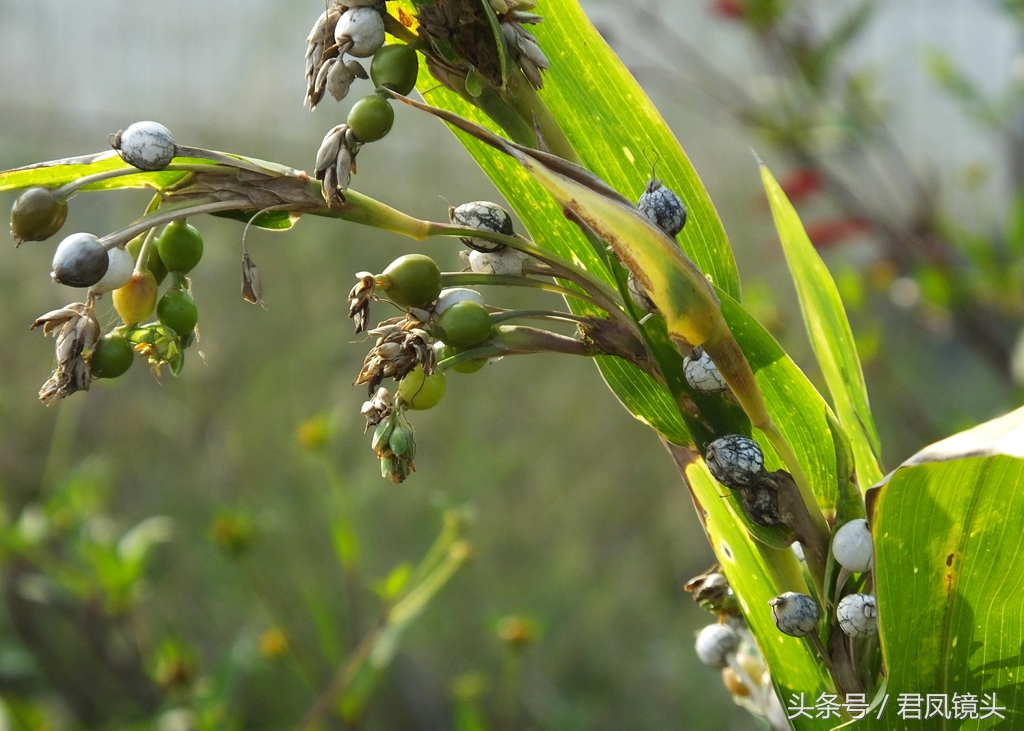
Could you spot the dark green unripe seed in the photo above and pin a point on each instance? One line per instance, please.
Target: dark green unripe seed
(37, 214)
(413, 280)
(180, 246)
(395, 67)
(178, 311)
(112, 357)
(371, 118)
(465, 324)
(153, 262)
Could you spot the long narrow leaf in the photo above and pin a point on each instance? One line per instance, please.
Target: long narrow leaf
(829, 331)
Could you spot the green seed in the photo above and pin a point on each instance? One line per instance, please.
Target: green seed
(371, 118)
(421, 392)
(37, 214)
(178, 311)
(395, 67)
(180, 246)
(413, 280)
(112, 357)
(465, 324)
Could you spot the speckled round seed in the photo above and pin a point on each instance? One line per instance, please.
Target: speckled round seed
(734, 460)
(852, 546)
(702, 373)
(485, 216)
(858, 615)
(508, 262)
(453, 295)
(715, 643)
(761, 505)
(146, 146)
(639, 295)
(120, 265)
(79, 261)
(362, 30)
(795, 614)
(663, 208)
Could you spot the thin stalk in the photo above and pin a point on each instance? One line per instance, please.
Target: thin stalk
(341, 680)
(461, 279)
(564, 269)
(504, 315)
(815, 556)
(165, 215)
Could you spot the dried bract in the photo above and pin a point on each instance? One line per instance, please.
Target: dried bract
(377, 408)
(359, 298)
(401, 345)
(336, 163)
(78, 331)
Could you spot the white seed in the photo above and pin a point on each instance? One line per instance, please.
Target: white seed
(484, 216)
(858, 615)
(507, 261)
(734, 460)
(702, 373)
(795, 614)
(361, 30)
(146, 145)
(715, 643)
(119, 270)
(852, 546)
(639, 295)
(449, 297)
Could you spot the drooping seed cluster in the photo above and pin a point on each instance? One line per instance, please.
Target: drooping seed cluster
(129, 270)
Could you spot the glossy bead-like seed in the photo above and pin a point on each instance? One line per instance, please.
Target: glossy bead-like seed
(734, 460)
(79, 261)
(485, 216)
(858, 615)
(702, 374)
(852, 546)
(795, 614)
(715, 643)
(663, 208)
(146, 146)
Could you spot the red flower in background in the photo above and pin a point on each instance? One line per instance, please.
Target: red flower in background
(824, 234)
(728, 8)
(801, 183)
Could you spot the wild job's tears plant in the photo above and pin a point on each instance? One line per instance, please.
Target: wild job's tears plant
(840, 597)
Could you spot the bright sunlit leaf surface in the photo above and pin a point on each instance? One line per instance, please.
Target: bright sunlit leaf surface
(829, 331)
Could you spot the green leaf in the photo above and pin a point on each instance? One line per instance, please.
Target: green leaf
(799, 410)
(829, 331)
(949, 562)
(611, 124)
(56, 173)
(758, 573)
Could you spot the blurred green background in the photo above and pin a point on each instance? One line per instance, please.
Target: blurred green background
(577, 520)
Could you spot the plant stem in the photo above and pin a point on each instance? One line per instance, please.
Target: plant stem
(460, 279)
